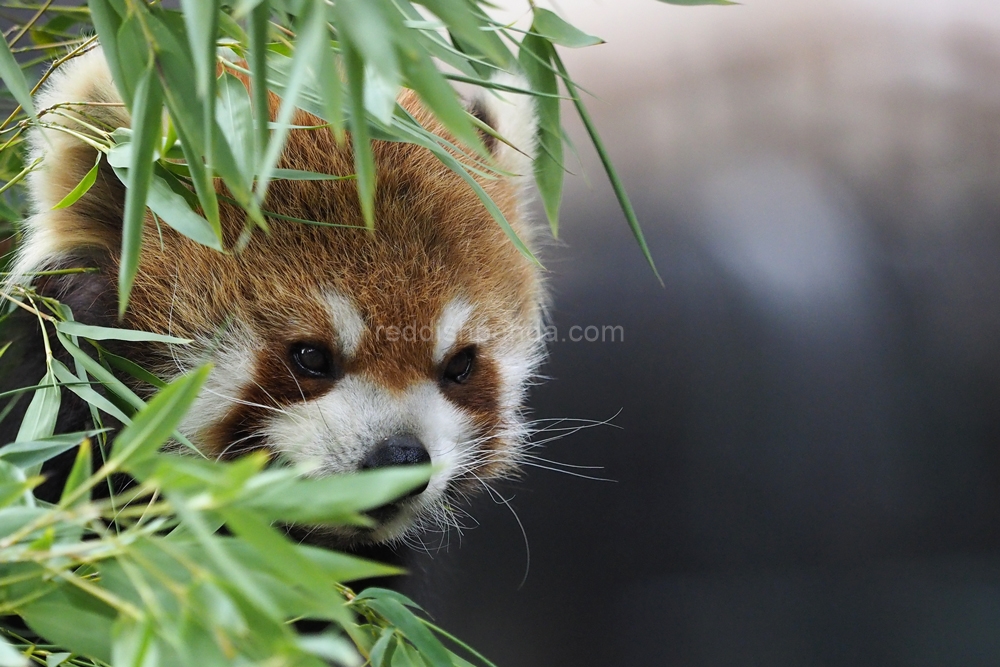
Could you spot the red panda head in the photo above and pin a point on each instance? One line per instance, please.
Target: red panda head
(333, 346)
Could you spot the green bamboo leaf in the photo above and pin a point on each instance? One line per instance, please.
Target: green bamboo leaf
(285, 561)
(364, 160)
(146, 127)
(378, 652)
(244, 7)
(100, 373)
(81, 470)
(257, 35)
(418, 135)
(110, 333)
(81, 188)
(155, 423)
(57, 659)
(312, 38)
(31, 453)
(327, 81)
(133, 369)
(423, 77)
(199, 133)
(201, 176)
(367, 25)
(411, 627)
(535, 58)
(376, 593)
(609, 168)
(551, 26)
(406, 656)
(299, 175)
(134, 642)
(201, 20)
(40, 418)
(174, 210)
(430, 40)
(331, 647)
(12, 75)
(235, 118)
(86, 392)
(134, 56)
(214, 548)
(108, 22)
(461, 19)
(345, 568)
(72, 620)
(332, 499)
(14, 486)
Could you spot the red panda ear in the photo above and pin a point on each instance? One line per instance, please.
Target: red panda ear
(93, 223)
(513, 117)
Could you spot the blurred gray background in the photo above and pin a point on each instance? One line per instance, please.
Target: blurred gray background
(807, 441)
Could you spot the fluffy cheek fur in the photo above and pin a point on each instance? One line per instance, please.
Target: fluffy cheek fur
(336, 431)
(333, 432)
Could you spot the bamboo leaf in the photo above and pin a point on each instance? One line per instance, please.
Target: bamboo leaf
(201, 20)
(109, 333)
(299, 175)
(73, 620)
(461, 19)
(257, 34)
(378, 652)
(27, 454)
(134, 58)
(235, 118)
(407, 623)
(440, 97)
(146, 129)
(40, 418)
(154, 424)
(366, 25)
(418, 135)
(12, 75)
(364, 160)
(535, 58)
(81, 188)
(107, 22)
(86, 392)
(609, 168)
(311, 39)
(81, 470)
(556, 30)
(134, 643)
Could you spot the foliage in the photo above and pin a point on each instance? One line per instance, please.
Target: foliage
(141, 575)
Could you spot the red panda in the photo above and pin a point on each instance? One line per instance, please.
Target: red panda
(334, 346)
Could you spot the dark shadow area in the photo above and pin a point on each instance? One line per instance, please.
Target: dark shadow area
(806, 457)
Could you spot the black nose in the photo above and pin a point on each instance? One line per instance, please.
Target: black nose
(398, 450)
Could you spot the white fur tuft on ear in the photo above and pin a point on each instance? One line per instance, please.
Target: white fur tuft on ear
(50, 234)
(514, 117)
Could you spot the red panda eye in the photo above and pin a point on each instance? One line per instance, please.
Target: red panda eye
(312, 360)
(460, 366)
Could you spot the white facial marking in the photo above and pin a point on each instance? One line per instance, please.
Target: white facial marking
(232, 356)
(336, 431)
(449, 326)
(347, 322)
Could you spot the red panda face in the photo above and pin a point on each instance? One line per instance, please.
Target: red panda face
(335, 347)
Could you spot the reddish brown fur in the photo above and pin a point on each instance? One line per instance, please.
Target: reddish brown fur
(433, 241)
